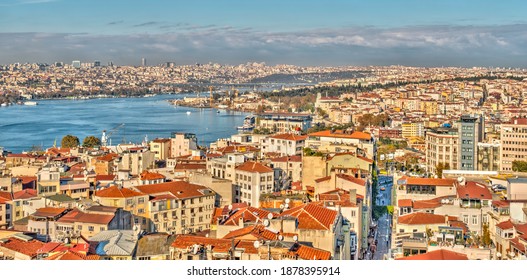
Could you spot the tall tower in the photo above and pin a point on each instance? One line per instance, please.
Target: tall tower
(471, 131)
(143, 62)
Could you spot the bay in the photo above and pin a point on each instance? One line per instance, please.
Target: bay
(21, 126)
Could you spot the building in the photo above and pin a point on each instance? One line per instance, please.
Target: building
(339, 141)
(471, 132)
(513, 142)
(161, 148)
(441, 147)
(288, 169)
(252, 180)
(143, 61)
(287, 144)
(179, 207)
(182, 144)
(114, 244)
(76, 64)
(489, 156)
(284, 122)
(48, 181)
(412, 129)
(6, 208)
(43, 222)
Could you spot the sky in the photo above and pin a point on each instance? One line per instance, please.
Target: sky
(301, 32)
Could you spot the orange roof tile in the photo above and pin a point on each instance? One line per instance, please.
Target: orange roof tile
(252, 232)
(145, 175)
(312, 216)
(437, 255)
(48, 212)
(339, 134)
(420, 218)
(287, 159)
(108, 157)
(28, 248)
(252, 166)
(80, 217)
(474, 190)
(249, 214)
(217, 245)
(105, 177)
(179, 189)
(404, 203)
(429, 181)
(505, 225)
(25, 194)
(426, 204)
(117, 192)
(290, 137)
(352, 179)
(311, 253)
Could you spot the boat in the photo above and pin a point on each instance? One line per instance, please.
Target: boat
(248, 124)
(188, 112)
(4, 105)
(218, 111)
(30, 103)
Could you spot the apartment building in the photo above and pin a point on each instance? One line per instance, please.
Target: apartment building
(513, 142)
(179, 207)
(161, 148)
(286, 144)
(252, 179)
(442, 145)
(471, 132)
(182, 144)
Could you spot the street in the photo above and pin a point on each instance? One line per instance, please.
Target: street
(383, 224)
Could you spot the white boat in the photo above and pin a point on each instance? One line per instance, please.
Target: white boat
(30, 103)
(4, 105)
(188, 112)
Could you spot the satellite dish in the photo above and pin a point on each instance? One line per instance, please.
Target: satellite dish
(230, 207)
(266, 222)
(287, 200)
(207, 235)
(67, 240)
(280, 237)
(287, 206)
(295, 238)
(270, 216)
(256, 244)
(195, 250)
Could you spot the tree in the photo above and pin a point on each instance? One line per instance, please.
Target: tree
(91, 141)
(519, 166)
(486, 235)
(440, 167)
(69, 141)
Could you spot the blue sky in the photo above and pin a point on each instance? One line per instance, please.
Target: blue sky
(331, 32)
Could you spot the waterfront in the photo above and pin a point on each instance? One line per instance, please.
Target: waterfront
(21, 127)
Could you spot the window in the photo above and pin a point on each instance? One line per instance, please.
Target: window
(102, 229)
(474, 219)
(90, 228)
(465, 219)
(353, 213)
(141, 200)
(79, 227)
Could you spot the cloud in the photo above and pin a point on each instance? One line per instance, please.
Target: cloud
(188, 44)
(115, 22)
(149, 23)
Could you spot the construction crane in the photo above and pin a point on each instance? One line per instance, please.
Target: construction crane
(211, 98)
(106, 136)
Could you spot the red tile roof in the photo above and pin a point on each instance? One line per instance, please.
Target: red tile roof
(420, 218)
(310, 253)
(71, 256)
(312, 216)
(179, 189)
(437, 255)
(429, 181)
(145, 175)
(252, 166)
(190, 166)
(234, 149)
(48, 212)
(108, 157)
(217, 245)
(323, 179)
(104, 177)
(252, 232)
(117, 192)
(426, 204)
(27, 179)
(80, 217)
(25, 194)
(474, 190)
(404, 203)
(5, 196)
(249, 214)
(352, 179)
(340, 134)
(501, 203)
(290, 137)
(28, 248)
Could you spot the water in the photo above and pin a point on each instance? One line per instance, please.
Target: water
(21, 127)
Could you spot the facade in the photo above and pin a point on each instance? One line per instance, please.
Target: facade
(441, 147)
(283, 122)
(285, 144)
(161, 148)
(182, 144)
(179, 207)
(48, 181)
(471, 132)
(252, 179)
(412, 129)
(488, 156)
(323, 140)
(513, 142)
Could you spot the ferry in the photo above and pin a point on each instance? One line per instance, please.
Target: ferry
(248, 124)
(30, 103)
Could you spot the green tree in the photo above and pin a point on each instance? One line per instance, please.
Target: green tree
(519, 166)
(486, 235)
(91, 141)
(440, 167)
(69, 141)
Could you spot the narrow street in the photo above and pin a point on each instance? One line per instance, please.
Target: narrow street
(383, 224)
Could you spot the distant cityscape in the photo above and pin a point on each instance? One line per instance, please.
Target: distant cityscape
(341, 163)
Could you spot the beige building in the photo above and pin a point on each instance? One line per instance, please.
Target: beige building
(442, 146)
(179, 207)
(287, 169)
(161, 148)
(223, 188)
(412, 129)
(129, 200)
(48, 181)
(322, 140)
(285, 144)
(253, 179)
(182, 144)
(513, 143)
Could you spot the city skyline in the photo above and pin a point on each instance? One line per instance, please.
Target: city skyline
(303, 33)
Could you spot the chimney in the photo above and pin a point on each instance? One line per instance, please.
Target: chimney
(353, 196)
